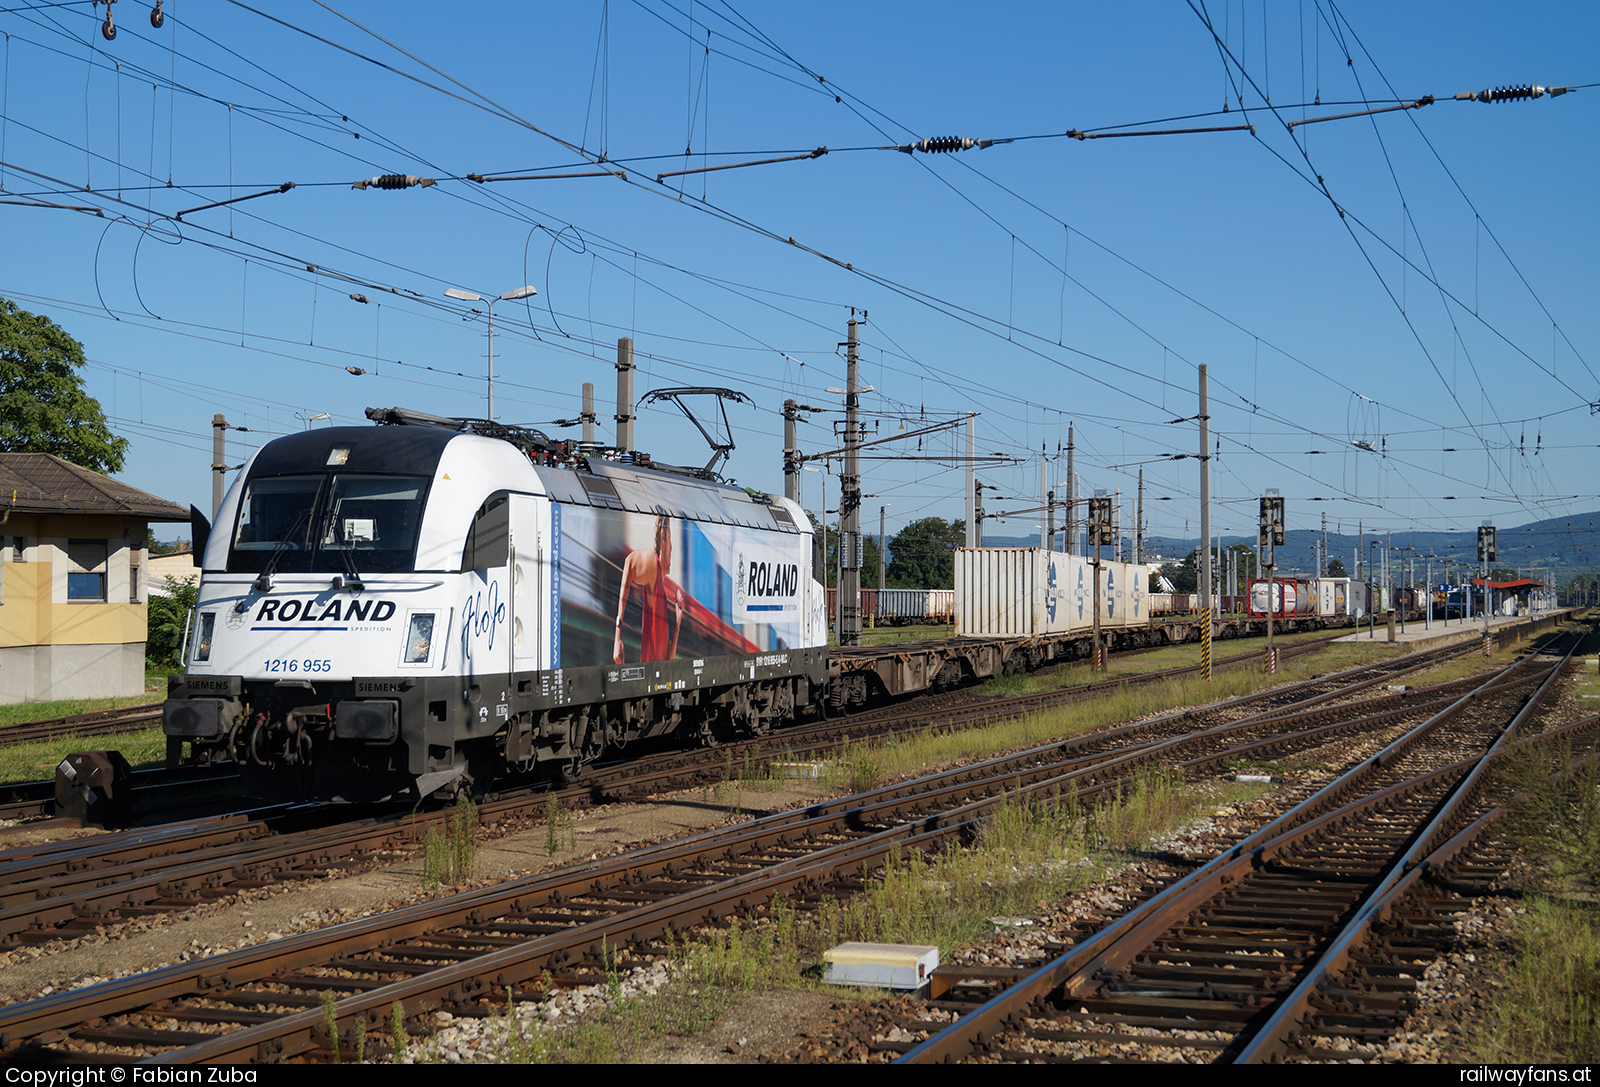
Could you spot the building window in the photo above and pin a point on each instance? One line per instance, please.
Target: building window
(86, 570)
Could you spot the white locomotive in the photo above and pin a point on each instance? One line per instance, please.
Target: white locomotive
(415, 608)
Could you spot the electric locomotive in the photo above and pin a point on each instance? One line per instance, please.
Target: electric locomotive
(420, 607)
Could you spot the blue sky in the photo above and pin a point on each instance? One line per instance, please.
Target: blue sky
(1447, 318)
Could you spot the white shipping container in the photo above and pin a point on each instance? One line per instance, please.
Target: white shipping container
(1070, 587)
(1016, 591)
(1333, 596)
(997, 591)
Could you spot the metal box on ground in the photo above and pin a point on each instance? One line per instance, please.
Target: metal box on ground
(93, 787)
(880, 966)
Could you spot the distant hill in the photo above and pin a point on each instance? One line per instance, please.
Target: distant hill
(1563, 545)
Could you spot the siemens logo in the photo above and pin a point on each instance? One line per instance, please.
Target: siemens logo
(336, 611)
(769, 579)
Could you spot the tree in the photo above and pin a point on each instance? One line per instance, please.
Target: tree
(43, 408)
(1336, 568)
(923, 554)
(1182, 575)
(167, 616)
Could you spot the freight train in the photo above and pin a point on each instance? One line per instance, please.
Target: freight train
(425, 606)
(896, 607)
(1333, 597)
(417, 608)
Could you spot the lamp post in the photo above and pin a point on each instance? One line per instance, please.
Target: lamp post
(1372, 610)
(508, 296)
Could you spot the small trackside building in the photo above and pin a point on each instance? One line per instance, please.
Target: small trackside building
(73, 580)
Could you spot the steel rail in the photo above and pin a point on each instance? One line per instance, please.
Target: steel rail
(305, 1032)
(1275, 1037)
(1130, 932)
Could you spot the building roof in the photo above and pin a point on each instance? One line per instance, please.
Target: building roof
(1519, 583)
(44, 483)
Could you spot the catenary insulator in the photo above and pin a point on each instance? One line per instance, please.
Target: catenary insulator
(156, 17)
(943, 145)
(393, 181)
(1507, 94)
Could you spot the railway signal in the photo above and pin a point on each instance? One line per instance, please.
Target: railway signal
(1100, 521)
(1486, 543)
(1486, 555)
(1270, 534)
(1100, 533)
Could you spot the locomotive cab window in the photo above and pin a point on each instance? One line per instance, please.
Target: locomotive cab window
(374, 519)
(337, 524)
(274, 521)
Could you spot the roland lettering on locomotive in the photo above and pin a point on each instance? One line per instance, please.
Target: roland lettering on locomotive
(420, 607)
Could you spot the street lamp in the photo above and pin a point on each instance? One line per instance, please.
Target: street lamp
(508, 296)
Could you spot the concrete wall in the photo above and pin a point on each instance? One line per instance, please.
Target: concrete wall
(40, 673)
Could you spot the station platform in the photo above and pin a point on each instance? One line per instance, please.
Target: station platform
(1439, 632)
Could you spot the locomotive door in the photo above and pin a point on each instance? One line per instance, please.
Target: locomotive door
(532, 610)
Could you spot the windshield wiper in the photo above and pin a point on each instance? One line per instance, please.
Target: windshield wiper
(263, 583)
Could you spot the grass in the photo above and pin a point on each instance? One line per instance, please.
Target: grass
(856, 767)
(22, 713)
(1548, 1008)
(629, 1032)
(36, 761)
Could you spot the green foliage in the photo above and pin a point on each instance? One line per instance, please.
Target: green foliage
(331, 1018)
(43, 408)
(1182, 575)
(36, 761)
(451, 856)
(1185, 575)
(167, 615)
(1336, 568)
(156, 547)
(924, 554)
(397, 1031)
(558, 829)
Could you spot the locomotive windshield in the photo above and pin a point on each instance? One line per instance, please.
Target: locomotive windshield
(336, 524)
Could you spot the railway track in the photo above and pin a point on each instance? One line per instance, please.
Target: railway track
(51, 892)
(464, 952)
(163, 788)
(98, 723)
(1274, 949)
